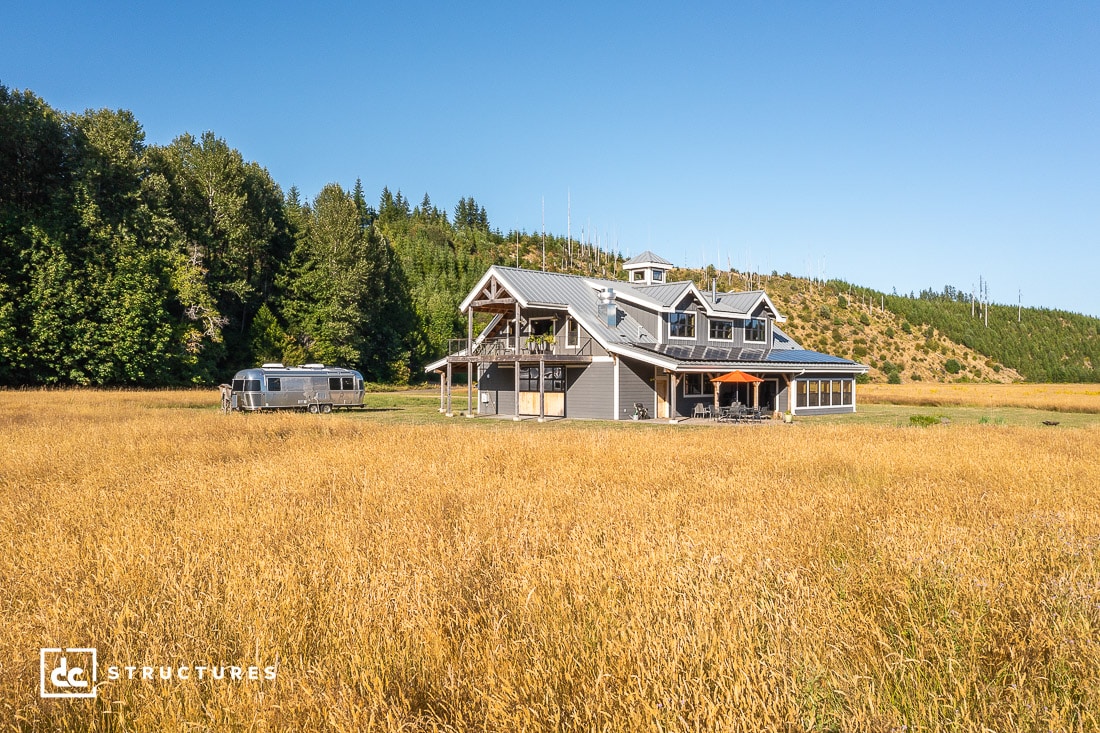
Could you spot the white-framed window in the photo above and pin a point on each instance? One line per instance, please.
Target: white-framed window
(572, 333)
(824, 392)
(658, 276)
(637, 276)
(697, 384)
(721, 330)
(681, 325)
(540, 326)
(756, 330)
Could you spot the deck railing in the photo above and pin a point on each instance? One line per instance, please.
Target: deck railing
(505, 346)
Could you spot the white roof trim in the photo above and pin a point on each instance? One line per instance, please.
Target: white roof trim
(491, 272)
(642, 355)
(630, 297)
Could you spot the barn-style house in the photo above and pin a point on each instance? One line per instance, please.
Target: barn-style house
(571, 346)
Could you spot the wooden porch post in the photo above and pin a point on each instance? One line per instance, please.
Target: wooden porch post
(450, 370)
(790, 393)
(515, 415)
(517, 329)
(470, 364)
(469, 389)
(756, 394)
(442, 393)
(673, 380)
(470, 332)
(542, 390)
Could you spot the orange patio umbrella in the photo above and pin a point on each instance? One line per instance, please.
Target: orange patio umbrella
(735, 377)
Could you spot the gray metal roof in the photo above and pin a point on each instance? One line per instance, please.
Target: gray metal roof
(735, 302)
(578, 294)
(647, 258)
(667, 295)
(581, 296)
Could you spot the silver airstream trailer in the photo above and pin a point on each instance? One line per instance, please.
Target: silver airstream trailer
(312, 387)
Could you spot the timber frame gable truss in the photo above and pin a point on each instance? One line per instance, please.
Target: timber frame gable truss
(492, 297)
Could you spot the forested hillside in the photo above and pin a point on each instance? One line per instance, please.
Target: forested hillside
(123, 263)
(1042, 344)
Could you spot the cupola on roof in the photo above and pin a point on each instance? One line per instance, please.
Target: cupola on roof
(647, 269)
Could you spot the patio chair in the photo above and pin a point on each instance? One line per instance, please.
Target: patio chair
(701, 410)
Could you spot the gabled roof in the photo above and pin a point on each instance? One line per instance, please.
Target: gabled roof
(646, 258)
(745, 303)
(666, 295)
(580, 297)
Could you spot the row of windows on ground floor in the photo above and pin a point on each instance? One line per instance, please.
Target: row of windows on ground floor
(824, 392)
(808, 392)
(811, 392)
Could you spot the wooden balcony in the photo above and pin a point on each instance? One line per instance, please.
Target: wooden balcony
(504, 350)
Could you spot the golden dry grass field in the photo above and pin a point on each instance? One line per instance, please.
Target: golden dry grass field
(485, 575)
(1054, 397)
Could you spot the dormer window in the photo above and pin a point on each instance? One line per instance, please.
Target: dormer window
(658, 276)
(721, 330)
(756, 330)
(681, 325)
(638, 276)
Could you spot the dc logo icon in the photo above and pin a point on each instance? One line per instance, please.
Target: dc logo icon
(67, 672)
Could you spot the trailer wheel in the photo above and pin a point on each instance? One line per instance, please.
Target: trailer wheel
(314, 408)
(326, 409)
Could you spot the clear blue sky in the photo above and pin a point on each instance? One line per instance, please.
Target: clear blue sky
(893, 144)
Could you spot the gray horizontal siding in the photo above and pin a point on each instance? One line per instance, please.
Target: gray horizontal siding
(635, 386)
(498, 383)
(648, 320)
(589, 391)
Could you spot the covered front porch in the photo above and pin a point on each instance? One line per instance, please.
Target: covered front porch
(722, 393)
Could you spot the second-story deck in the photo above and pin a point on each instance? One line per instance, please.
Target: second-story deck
(505, 349)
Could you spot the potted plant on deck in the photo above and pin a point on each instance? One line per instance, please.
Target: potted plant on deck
(540, 343)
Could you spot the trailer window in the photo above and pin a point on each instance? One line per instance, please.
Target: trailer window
(274, 384)
(251, 385)
(334, 382)
(348, 382)
(238, 385)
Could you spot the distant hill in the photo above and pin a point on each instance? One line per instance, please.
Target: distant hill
(932, 336)
(825, 317)
(1044, 345)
